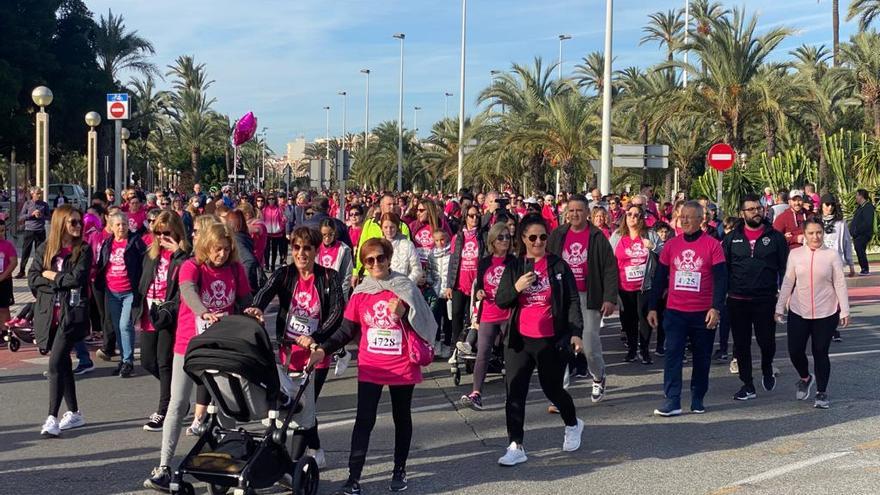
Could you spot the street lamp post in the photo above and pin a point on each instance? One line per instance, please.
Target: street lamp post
(401, 37)
(446, 104)
(687, 25)
(344, 95)
(366, 109)
(327, 135)
(93, 119)
(416, 119)
(124, 135)
(605, 170)
(562, 37)
(42, 96)
(460, 175)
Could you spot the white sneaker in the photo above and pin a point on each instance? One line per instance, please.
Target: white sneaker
(342, 362)
(72, 420)
(734, 367)
(50, 428)
(464, 348)
(191, 430)
(573, 435)
(453, 359)
(319, 456)
(515, 454)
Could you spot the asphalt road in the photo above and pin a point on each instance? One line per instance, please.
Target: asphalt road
(771, 445)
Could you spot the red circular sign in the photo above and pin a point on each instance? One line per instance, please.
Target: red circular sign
(721, 156)
(117, 110)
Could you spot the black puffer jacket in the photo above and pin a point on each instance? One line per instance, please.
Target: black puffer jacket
(74, 274)
(755, 274)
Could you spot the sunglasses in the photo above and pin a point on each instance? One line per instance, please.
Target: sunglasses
(634, 215)
(164, 233)
(472, 215)
(373, 260)
(74, 222)
(534, 237)
(301, 247)
(421, 210)
(503, 237)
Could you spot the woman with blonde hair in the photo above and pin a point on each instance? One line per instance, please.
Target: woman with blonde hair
(157, 315)
(61, 312)
(212, 284)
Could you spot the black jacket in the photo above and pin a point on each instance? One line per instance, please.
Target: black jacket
(566, 310)
(148, 271)
(602, 271)
(862, 224)
(282, 284)
(74, 322)
(245, 247)
(484, 264)
(455, 257)
(134, 258)
(755, 275)
(341, 229)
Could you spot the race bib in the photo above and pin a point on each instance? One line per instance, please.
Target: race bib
(635, 273)
(687, 281)
(387, 341)
(301, 325)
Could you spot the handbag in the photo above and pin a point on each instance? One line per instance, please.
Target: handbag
(418, 350)
(163, 315)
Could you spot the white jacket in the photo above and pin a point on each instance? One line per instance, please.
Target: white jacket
(405, 259)
(438, 269)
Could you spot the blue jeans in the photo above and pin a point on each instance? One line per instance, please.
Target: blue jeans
(82, 352)
(120, 314)
(679, 327)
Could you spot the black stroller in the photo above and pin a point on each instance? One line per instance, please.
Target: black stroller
(233, 359)
(464, 363)
(21, 329)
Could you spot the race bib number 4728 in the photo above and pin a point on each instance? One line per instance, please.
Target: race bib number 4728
(387, 341)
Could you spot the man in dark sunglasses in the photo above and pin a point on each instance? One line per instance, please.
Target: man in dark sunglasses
(586, 249)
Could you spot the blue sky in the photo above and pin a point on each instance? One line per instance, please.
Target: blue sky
(287, 59)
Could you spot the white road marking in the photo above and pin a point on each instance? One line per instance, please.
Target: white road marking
(782, 470)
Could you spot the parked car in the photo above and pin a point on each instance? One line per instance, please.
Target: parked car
(73, 192)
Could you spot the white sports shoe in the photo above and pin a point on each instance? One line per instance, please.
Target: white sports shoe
(515, 454)
(72, 420)
(50, 428)
(342, 362)
(320, 457)
(453, 358)
(573, 435)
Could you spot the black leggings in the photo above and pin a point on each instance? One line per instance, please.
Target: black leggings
(520, 362)
(633, 319)
(461, 302)
(486, 337)
(276, 246)
(441, 316)
(157, 354)
(367, 405)
(61, 382)
(303, 439)
(820, 332)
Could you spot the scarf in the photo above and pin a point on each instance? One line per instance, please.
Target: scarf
(420, 317)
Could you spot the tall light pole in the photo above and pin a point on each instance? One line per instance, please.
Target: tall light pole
(124, 135)
(261, 176)
(93, 119)
(327, 135)
(562, 37)
(687, 25)
(42, 96)
(416, 119)
(366, 109)
(605, 170)
(344, 95)
(460, 175)
(446, 96)
(401, 37)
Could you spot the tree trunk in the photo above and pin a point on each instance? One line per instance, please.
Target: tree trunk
(835, 25)
(770, 136)
(567, 179)
(875, 111)
(823, 164)
(195, 156)
(537, 168)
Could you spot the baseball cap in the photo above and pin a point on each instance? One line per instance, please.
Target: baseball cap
(795, 192)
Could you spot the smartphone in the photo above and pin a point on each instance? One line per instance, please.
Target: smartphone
(529, 266)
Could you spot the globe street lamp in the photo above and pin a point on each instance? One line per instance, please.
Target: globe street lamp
(124, 135)
(401, 37)
(416, 120)
(562, 37)
(42, 97)
(93, 119)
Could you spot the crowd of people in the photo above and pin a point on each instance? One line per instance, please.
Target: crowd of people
(486, 276)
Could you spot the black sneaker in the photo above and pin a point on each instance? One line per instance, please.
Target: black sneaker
(630, 355)
(836, 337)
(719, 356)
(155, 423)
(745, 393)
(768, 382)
(822, 401)
(398, 480)
(160, 479)
(351, 488)
(126, 370)
(660, 351)
(83, 368)
(697, 406)
(803, 388)
(118, 369)
(646, 358)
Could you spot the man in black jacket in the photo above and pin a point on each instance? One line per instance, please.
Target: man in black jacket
(756, 255)
(587, 251)
(862, 228)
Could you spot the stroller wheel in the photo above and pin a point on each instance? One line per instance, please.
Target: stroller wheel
(14, 344)
(43, 352)
(306, 476)
(217, 489)
(185, 488)
(456, 378)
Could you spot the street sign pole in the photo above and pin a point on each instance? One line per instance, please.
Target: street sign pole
(720, 191)
(117, 157)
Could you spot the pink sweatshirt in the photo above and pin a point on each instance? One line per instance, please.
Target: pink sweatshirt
(814, 286)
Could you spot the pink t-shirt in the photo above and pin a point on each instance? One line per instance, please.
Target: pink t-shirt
(574, 252)
(136, 220)
(58, 263)
(147, 238)
(632, 256)
(424, 242)
(752, 236)
(355, 234)
(690, 272)
(470, 257)
(536, 313)
(218, 289)
(327, 255)
(273, 217)
(303, 318)
(491, 312)
(117, 275)
(382, 355)
(157, 289)
(7, 252)
(260, 236)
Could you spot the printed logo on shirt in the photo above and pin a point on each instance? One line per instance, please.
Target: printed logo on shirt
(380, 317)
(493, 276)
(117, 260)
(538, 287)
(216, 296)
(424, 238)
(132, 225)
(162, 271)
(637, 251)
(326, 261)
(765, 241)
(575, 255)
(688, 261)
(303, 305)
(470, 250)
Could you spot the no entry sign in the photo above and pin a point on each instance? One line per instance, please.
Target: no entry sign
(721, 156)
(117, 106)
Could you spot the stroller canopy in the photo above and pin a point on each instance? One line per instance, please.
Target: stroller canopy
(235, 344)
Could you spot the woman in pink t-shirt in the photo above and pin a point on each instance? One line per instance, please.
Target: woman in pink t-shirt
(386, 309)
(493, 320)
(212, 285)
(276, 248)
(467, 249)
(545, 327)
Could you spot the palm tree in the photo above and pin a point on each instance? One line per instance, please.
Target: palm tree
(862, 56)
(665, 28)
(865, 10)
(590, 74)
(118, 49)
(835, 27)
(194, 122)
(775, 91)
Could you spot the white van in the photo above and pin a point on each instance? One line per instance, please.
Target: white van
(73, 192)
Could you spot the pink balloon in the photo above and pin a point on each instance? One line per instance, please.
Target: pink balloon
(245, 129)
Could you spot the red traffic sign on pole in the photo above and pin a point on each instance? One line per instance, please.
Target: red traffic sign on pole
(117, 110)
(721, 156)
